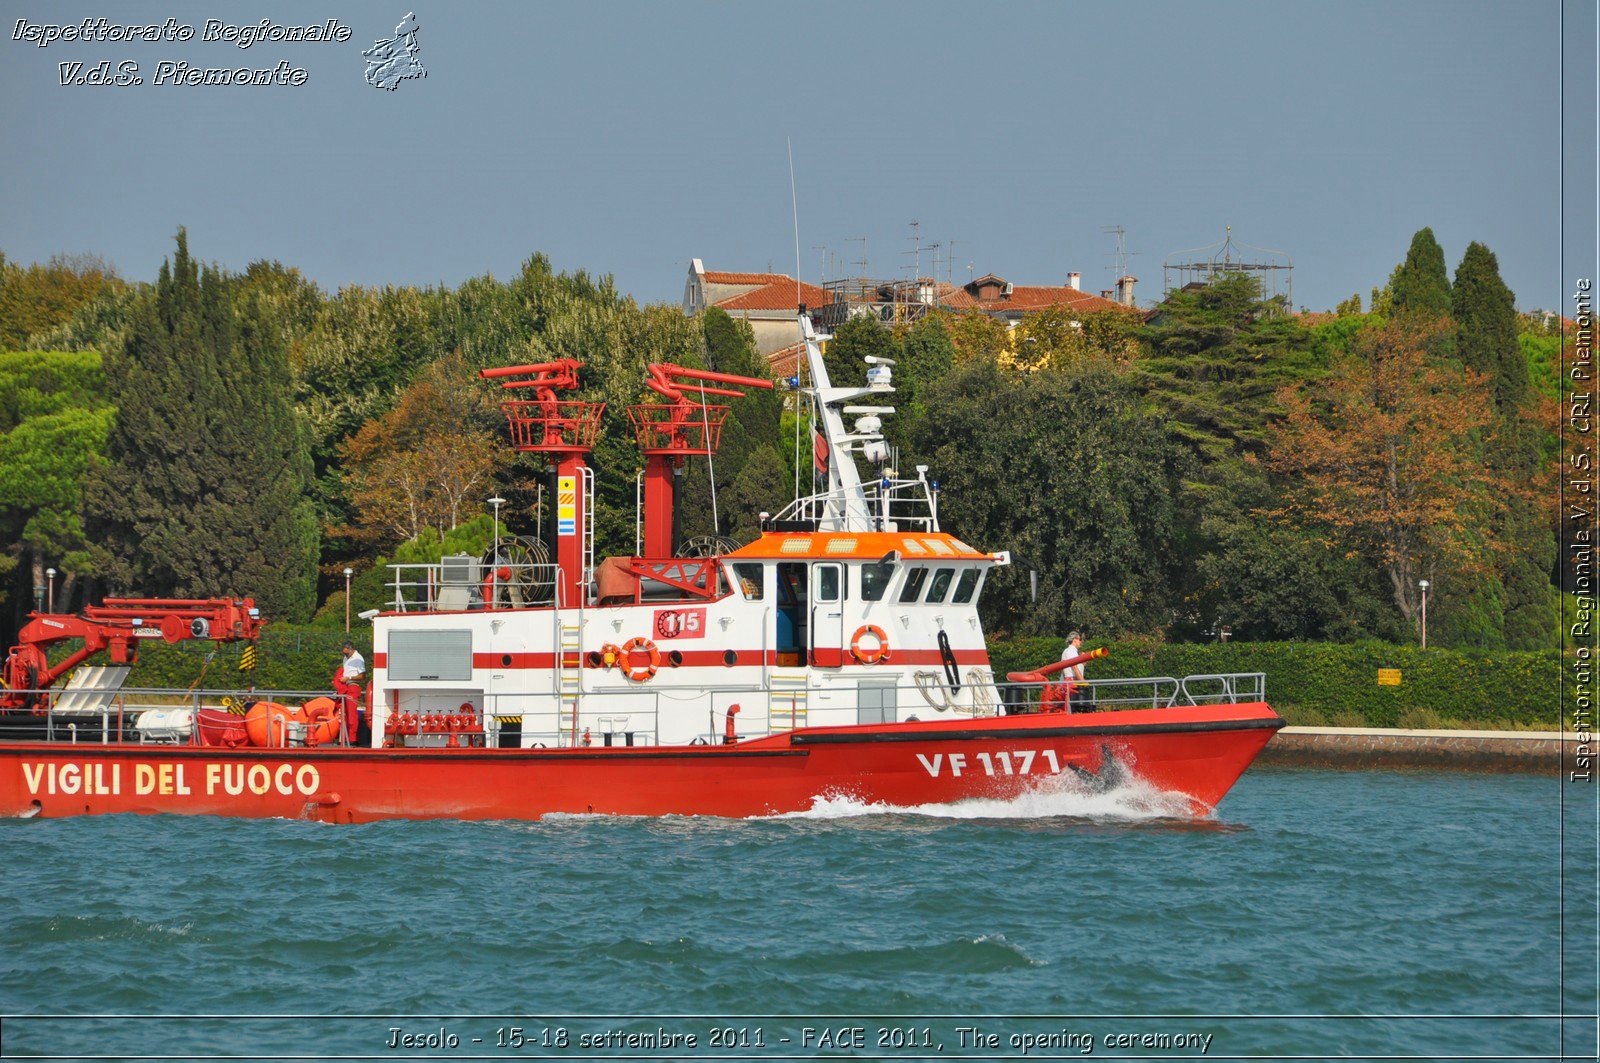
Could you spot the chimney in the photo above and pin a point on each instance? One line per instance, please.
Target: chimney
(1073, 280)
(1125, 290)
(1105, 293)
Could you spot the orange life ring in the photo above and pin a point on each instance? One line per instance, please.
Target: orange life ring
(877, 653)
(639, 673)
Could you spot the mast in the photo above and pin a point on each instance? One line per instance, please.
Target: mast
(846, 505)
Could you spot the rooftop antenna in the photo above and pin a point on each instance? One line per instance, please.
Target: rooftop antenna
(862, 261)
(916, 260)
(1121, 255)
(822, 260)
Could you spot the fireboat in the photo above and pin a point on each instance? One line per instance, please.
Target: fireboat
(838, 655)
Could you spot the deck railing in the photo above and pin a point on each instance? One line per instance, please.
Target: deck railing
(621, 717)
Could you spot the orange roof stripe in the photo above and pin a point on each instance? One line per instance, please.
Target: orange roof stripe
(926, 546)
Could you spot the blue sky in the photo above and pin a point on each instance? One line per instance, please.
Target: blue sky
(627, 138)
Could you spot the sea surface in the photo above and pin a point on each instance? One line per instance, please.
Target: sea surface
(1315, 915)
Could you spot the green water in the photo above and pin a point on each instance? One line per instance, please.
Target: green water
(1318, 915)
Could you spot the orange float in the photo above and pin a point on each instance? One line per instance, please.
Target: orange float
(322, 720)
(267, 723)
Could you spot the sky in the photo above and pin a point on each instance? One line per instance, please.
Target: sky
(628, 138)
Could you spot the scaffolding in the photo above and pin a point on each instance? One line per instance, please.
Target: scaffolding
(1199, 266)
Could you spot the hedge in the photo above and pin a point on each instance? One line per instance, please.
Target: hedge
(1308, 679)
(1341, 679)
(287, 658)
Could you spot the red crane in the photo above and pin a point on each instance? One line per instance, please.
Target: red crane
(117, 626)
(668, 433)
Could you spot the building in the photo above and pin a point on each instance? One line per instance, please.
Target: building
(768, 301)
(894, 302)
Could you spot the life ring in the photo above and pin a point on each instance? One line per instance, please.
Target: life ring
(880, 652)
(639, 673)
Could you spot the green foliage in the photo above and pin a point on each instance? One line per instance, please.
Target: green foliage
(852, 343)
(1216, 357)
(749, 472)
(54, 419)
(39, 298)
(1486, 320)
(1086, 492)
(1507, 688)
(1421, 285)
(288, 657)
(204, 489)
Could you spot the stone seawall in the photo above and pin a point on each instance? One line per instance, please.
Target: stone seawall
(1358, 748)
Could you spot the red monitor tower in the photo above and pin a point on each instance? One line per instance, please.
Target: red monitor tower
(669, 432)
(564, 430)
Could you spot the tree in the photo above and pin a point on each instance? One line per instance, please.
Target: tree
(1068, 471)
(54, 418)
(203, 491)
(1421, 284)
(1217, 357)
(37, 298)
(1486, 321)
(426, 463)
(853, 342)
(748, 458)
(1386, 460)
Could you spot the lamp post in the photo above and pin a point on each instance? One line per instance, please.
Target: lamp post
(1423, 584)
(50, 598)
(348, 572)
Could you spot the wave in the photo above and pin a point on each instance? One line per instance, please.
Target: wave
(1134, 800)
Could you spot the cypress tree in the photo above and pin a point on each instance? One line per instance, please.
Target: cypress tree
(1486, 323)
(204, 489)
(1486, 340)
(1422, 284)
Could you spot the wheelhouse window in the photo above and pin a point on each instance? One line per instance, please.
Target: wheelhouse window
(875, 582)
(940, 585)
(966, 586)
(751, 579)
(915, 578)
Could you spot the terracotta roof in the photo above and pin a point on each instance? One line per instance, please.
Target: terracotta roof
(777, 295)
(1041, 297)
(784, 363)
(719, 277)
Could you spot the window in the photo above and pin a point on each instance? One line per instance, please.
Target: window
(940, 585)
(915, 578)
(965, 586)
(875, 581)
(828, 583)
(751, 579)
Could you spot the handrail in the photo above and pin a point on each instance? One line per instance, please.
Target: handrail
(626, 709)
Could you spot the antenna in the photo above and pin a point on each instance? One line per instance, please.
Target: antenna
(794, 204)
(862, 261)
(1121, 255)
(822, 260)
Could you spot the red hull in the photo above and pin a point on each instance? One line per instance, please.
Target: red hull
(1199, 751)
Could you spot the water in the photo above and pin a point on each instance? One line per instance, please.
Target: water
(1309, 894)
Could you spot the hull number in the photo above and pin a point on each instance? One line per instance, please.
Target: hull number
(1005, 762)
